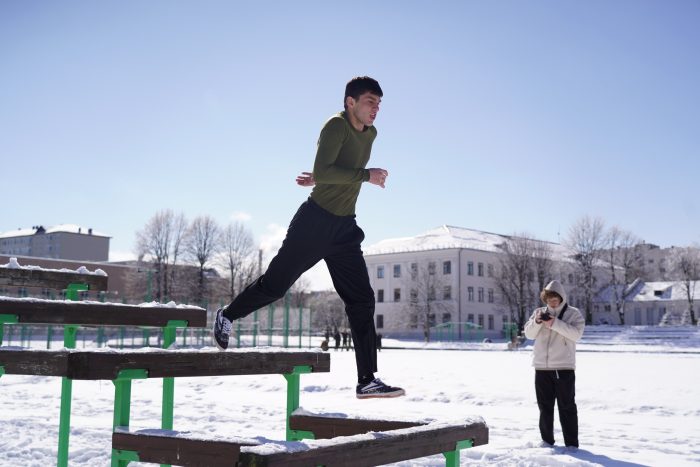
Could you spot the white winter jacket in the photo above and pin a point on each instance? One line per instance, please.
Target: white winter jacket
(555, 348)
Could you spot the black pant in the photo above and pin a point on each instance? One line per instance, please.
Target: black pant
(559, 385)
(315, 234)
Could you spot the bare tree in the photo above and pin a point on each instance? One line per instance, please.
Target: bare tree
(686, 269)
(202, 243)
(159, 243)
(525, 268)
(328, 311)
(586, 240)
(623, 258)
(424, 303)
(238, 256)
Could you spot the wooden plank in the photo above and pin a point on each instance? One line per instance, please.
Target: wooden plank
(50, 279)
(162, 448)
(105, 364)
(35, 311)
(191, 362)
(34, 362)
(330, 427)
(383, 449)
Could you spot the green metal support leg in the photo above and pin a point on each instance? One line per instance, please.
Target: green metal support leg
(69, 333)
(293, 402)
(122, 407)
(452, 457)
(9, 319)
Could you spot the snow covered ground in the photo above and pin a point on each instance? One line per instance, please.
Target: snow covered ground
(635, 408)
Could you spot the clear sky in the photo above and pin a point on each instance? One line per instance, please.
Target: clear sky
(507, 116)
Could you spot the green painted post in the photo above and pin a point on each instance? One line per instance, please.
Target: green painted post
(9, 319)
(293, 402)
(270, 323)
(452, 457)
(286, 321)
(69, 334)
(301, 323)
(122, 405)
(255, 328)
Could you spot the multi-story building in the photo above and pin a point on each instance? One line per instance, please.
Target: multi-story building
(463, 264)
(65, 241)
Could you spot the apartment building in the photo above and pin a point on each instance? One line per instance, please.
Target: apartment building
(65, 241)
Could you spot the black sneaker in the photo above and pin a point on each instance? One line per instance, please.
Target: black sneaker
(222, 329)
(376, 388)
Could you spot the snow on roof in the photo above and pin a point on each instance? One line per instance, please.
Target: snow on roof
(62, 228)
(445, 237)
(14, 264)
(654, 291)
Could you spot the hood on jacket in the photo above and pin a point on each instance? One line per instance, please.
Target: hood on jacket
(555, 286)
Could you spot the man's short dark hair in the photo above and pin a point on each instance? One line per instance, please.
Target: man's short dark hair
(360, 85)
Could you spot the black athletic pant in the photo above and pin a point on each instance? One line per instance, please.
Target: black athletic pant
(559, 385)
(315, 234)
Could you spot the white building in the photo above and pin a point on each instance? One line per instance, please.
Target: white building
(648, 303)
(65, 241)
(464, 262)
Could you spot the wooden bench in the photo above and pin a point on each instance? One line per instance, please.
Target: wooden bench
(72, 314)
(123, 366)
(378, 442)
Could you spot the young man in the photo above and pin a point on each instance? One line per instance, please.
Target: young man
(324, 228)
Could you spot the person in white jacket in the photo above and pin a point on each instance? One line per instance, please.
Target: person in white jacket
(556, 328)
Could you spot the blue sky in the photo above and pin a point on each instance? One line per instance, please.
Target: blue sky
(506, 116)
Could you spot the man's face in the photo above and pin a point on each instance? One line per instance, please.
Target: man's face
(365, 108)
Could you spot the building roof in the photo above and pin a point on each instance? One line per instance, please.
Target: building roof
(445, 237)
(653, 291)
(62, 228)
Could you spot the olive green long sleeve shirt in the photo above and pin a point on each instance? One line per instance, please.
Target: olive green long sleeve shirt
(339, 168)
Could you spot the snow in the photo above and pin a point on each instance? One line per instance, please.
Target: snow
(638, 405)
(92, 303)
(447, 237)
(14, 264)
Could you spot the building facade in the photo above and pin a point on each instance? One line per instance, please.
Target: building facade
(65, 241)
(459, 267)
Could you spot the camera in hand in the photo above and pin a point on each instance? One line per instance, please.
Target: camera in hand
(545, 316)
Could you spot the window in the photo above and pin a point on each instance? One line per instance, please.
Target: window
(397, 295)
(480, 269)
(431, 293)
(470, 268)
(491, 322)
(470, 318)
(446, 317)
(481, 320)
(637, 316)
(607, 308)
(397, 270)
(490, 295)
(380, 295)
(447, 267)
(414, 296)
(447, 292)
(414, 270)
(470, 294)
(481, 294)
(489, 270)
(571, 278)
(380, 272)
(380, 321)
(431, 268)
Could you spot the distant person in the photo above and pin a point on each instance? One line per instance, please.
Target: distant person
(379, 342)
(324, 228)
(345, 339)
(336, 337)
(324, 345)
(556, 328)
